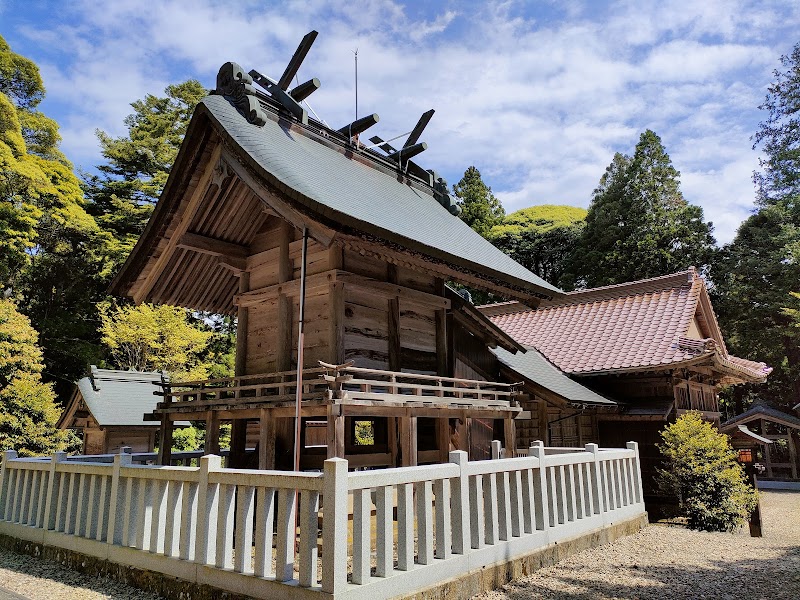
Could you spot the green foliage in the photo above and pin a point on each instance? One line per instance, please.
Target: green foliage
(187, 439)
(479, 207)
(753, 281)
(540, 238)
(761, 267)
(28, 412)
(155, 338)
(701, 469)
(365, 433)
(19, 78)
(779, 135)
(638, 224)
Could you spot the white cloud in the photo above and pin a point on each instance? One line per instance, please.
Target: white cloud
(539, 104)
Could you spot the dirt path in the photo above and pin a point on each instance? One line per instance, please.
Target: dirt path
(671, 562)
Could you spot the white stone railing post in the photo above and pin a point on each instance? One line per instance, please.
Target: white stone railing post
(207, 511)
(48, 519)
(334, 526)
(115, 516)
(598, 496)
(497, 449)
(637, 472)
(460, 505)
(5, 481)
(540, 498)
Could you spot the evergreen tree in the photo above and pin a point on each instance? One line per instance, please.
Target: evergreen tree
(28, 412)
(761, 267)
(480, 209)
(137, 165)
(540, 238)
(779, 135)
(638, 224)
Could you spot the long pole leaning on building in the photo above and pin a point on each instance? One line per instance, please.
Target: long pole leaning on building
(300, 332)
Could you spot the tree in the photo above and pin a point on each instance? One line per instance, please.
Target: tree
(28, 412)
(638, 224)
(122, 196)
(779, 135)
(155, 338)
(480, 209)
(761, 267)
(701, 469)
(541, 238)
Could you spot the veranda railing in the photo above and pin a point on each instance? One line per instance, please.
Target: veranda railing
(238, 529)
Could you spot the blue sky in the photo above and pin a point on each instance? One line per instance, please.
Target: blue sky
(538, 95)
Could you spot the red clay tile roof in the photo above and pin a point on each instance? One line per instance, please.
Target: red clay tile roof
(626, 327)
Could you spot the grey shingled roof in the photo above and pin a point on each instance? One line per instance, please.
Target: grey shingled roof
(766, 411)
(366, 198)
(535, 367)
(120, 397)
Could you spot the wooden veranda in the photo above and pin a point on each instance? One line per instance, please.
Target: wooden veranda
(454, 414)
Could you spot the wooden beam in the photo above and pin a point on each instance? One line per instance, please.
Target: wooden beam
(317, 231)
(285, 304)
(408, 441)
(315, 284)
(211, 246)
(165, 442)
(212, 432)
(242, 323)
(394, 334)
(392, 290)
(193, 204)
(335, 431)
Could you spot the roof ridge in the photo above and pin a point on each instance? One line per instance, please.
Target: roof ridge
(630, 288)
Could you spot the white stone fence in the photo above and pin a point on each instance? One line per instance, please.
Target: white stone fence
(384, 533)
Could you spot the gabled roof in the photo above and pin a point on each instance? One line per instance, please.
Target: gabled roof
(759, 411)
(117, 397)
(535, 368)
(316, 173)
(637, 326)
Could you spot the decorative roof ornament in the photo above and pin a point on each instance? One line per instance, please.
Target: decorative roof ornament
(235, 84)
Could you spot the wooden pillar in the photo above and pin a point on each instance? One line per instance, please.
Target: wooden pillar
(393, 433)
(767, 457)
(408, 440)
(239, 426)
(442, 359)
(284, 426)
(544, 433)
(266, 440)
(443, 438)
(394, 335)
(510, 435)
(212, 432)
(335, 431)
(336, 299)
(165, 441)
(792, 452)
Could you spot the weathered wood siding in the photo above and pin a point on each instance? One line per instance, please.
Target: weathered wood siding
(366, 329)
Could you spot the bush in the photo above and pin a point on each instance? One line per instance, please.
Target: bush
(701, 469)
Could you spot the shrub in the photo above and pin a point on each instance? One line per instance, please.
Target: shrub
(701, 469)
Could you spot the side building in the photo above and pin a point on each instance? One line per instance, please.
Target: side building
(653, 346)
(107, 410)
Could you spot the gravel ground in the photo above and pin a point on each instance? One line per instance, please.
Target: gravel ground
(39, 579)
(659, 562)
(676, 563)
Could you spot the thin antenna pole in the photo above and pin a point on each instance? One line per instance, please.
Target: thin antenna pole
(300, 341)
(356, 53)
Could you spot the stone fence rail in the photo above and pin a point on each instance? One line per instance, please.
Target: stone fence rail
(384, 533)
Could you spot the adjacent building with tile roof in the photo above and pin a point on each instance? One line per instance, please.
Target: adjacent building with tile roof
(653, 346)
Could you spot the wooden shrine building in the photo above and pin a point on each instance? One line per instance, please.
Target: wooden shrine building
(387, 346)
(772, 436)
(652, 346)
(107, 410)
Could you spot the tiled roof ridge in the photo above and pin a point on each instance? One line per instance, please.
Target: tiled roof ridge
(630, 288)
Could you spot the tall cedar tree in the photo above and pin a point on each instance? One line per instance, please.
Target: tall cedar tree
(761, 267)
(52, 246)
(480, 209)
(639, 225)
(541, 238)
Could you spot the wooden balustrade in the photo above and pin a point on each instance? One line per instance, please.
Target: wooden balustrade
(427, 523)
